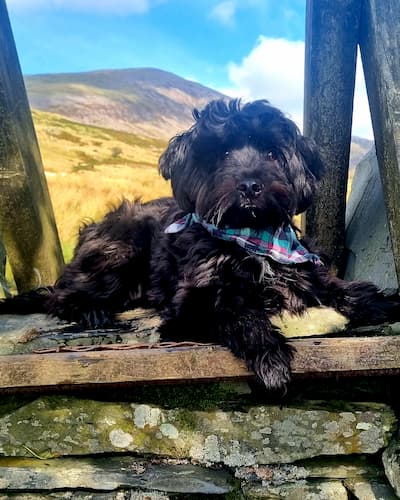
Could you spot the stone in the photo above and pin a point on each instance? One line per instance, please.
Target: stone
(112, 473)
(391, 463)
(341, 467)
(329, 468)
(62, 426)
(315, 321)
(317, 490)
(26, 333)
(367, 234)
(364, 489)
(86, 495)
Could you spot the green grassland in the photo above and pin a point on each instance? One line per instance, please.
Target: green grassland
(90, 169)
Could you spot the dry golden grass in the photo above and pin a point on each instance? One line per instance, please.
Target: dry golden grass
(90, 169)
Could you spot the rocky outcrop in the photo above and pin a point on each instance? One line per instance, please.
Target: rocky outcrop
(62, 426)
(367, 234)
(391, 462)
(262, 451)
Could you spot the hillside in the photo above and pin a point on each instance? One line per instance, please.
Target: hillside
(359, 147)
(143, 101)
(89, 169)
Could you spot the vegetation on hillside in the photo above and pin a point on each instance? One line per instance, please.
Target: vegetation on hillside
(90, 169)
(144, 101)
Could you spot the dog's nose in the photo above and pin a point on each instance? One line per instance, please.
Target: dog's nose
(250, 188)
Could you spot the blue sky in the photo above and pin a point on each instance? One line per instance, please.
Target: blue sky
(248, 48)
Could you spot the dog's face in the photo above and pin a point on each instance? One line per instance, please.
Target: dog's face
(242, 166)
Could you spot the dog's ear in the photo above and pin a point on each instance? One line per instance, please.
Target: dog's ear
(307, 153)
(311, 157)
(174, 157)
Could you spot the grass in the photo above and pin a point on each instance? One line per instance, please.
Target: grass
(90, 169)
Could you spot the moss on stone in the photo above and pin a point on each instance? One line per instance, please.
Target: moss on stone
(9, 404)
(192, 396)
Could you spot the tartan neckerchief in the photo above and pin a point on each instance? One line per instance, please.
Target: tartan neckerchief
(281, 244)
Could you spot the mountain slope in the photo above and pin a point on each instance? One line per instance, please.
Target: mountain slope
(89, 169)
(359, 148)
(145, 101)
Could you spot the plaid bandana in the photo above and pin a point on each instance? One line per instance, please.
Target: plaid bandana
(281, 245)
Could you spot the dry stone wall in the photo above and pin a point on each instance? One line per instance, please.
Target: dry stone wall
(325, 439)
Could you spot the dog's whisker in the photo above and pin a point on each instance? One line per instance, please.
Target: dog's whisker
(218, 210)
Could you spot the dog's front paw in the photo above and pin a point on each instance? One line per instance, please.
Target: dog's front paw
(87, 318)
(272, 367)
(95, 318)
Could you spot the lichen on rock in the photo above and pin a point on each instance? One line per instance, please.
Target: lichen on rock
(62, 426)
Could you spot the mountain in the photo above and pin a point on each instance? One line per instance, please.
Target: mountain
(144, 101)
(359, 148)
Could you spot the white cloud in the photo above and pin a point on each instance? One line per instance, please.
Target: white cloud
(274, 70)
(224, 12)
(99, 6)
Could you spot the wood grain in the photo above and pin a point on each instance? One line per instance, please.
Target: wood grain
(27, 224)
(314, 357)
(330, 68)
(380, 52)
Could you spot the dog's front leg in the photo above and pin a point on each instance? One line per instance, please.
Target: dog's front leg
(251, 336)
(222, 300)
(242, 318)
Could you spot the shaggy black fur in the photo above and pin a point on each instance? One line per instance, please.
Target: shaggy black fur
(241, 166)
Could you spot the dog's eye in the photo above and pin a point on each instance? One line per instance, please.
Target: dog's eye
(226, 153)
(271, 155)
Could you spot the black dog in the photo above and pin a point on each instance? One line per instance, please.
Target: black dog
(221, 257)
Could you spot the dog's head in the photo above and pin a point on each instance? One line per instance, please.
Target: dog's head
(242, 165)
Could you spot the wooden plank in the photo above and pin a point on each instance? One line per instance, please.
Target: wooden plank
(380, 52)
(347, 355)
(147, 365)
(27, 222)
(330, 64)
(317, 357)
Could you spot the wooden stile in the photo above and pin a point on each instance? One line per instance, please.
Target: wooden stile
(27, 224)
(380, 52)
(330, 67)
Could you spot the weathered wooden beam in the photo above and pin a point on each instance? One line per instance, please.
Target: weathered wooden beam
(314, 357)
(380, 52)
(330, 65)
(27, 223)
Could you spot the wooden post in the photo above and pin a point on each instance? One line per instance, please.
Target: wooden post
(27, 223)
(330, 65)
(380, 51)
